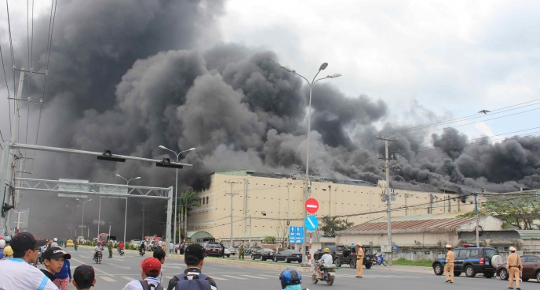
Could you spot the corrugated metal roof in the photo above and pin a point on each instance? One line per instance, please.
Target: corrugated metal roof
(422, 223)
(529, 234)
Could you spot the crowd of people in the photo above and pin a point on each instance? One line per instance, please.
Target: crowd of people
(18, 268)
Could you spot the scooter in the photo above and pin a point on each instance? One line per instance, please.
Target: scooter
(141, 252)
(98, 257)
(120, 251)
(380, 260)
(328, 274)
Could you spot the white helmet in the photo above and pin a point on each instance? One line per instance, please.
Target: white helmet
(2, 244)
(55, 239)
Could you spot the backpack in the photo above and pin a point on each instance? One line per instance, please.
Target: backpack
(198, 282)
(147, 286)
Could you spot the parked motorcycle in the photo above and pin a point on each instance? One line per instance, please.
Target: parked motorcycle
(328, 274)
(379, 260)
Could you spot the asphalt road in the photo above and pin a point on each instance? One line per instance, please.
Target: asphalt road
(115, 273)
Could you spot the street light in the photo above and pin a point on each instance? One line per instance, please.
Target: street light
(82, 219)
(306, 189)
(176, 188)
(125, 215)
(71, 217)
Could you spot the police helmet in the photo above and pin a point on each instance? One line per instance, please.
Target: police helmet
(290, 277)
(326, 250)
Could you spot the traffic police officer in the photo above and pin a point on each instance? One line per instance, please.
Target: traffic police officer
(513, 266)
(449, 267)
(359, 261)
(241, 252)
(110, 246)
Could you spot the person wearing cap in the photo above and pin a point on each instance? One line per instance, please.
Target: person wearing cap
(84, 277)
(449, 266)
(360, 261)
(151, 267)
(8, 252)
(54, 258)
(110, 246)
(194, 260)
(514, 267)
(17, 273)
(63, 277)
(160, 255)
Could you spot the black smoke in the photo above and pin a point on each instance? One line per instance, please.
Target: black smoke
(129, 76)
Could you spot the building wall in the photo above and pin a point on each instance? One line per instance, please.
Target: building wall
(282, 199)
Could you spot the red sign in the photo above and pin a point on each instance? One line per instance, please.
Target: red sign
(312, 205)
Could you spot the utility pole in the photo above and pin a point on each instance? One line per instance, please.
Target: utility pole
(246, 206)
(232, 183)
(388, 196)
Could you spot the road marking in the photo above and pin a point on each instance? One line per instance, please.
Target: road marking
(251, 276)
(277, 276)
(218, 278)
(108, 279)
(128, 278)
(121, 267)
(234, 277)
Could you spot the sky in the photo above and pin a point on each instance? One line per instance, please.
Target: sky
(131, 75)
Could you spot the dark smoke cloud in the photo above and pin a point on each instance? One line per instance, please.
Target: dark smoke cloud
(127, 76)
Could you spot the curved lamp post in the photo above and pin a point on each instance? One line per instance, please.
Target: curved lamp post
(125, 215)
(176, 187)
(306, 189)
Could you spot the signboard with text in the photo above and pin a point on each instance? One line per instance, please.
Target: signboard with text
(296, 235)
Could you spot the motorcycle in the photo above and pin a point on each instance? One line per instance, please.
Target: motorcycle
(141, 252)
(380, 260)
(98, 257)
(120, 251)
(328, 274)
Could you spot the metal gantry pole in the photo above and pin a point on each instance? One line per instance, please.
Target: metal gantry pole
(389, 203)
(175, 205)
(169, 216)
(99, 218)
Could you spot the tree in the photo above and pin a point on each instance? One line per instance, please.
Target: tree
(332, 224)
(514, 210)
(270, 240)
(188, 200)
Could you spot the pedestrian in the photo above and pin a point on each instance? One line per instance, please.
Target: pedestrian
(63, 278)
(84, 277)
(193, 278)
(53, 258)
(110, 246)
(160, 244)
(514, 267)
(54, 243)
(151, 267)
(241, 251)
(449, 266)
(75, 244)
(171, 247)
(360, 261)
(222, 249)
(17, 273)
(160, 255)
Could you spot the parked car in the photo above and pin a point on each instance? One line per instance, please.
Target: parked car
(135, 243)
(472, 260)
(152, 246)
(288, 256)
(531, 268)
(232, 250)
(69, 243)
(318, 254)
(213, 249)
(263, 254)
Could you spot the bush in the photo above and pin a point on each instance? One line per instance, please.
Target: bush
(421, 262)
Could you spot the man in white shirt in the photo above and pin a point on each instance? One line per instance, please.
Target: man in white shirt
(326, 260)
(54, 243)
(151, 267)
(97, 249)
(17, 273)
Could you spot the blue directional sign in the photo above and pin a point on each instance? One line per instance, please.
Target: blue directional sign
(311, 223)
(296, 235)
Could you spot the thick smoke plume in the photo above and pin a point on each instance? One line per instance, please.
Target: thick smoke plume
(129, 76)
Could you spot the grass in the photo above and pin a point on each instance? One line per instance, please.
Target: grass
(405, 262)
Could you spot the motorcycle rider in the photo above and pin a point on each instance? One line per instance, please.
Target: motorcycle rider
(326, 261)
(97, 249)
(142, 248)
(290, 279)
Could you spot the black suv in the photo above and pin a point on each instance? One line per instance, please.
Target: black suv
(318, 254)
(471, 260)
(345, 255)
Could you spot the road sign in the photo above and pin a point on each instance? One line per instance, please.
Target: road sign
(296, 235)
(312, 205)
(311, 223)
(395, 247)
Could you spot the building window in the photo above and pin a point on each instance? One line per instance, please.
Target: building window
(207, 200)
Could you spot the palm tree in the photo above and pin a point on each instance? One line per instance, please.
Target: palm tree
(188, 200)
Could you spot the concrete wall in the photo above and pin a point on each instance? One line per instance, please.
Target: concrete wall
(282, 200)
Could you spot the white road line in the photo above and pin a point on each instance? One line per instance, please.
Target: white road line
(234, 277)
(128, 278)
(218, 278)
(121, 267)
(108, 279)
(269, 276)
(252, 276)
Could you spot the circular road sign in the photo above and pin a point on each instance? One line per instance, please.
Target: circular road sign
(312, 205)
(311, 223)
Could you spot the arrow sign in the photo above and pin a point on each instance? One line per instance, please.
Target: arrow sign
(312, 205)
(311, 223)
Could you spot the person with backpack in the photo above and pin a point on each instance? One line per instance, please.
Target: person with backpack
(151, 267)
(193, 278)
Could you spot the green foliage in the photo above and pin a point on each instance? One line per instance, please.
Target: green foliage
(518, 211)
(405, 262)
(467, 214)
(329, 225)
(269, 240)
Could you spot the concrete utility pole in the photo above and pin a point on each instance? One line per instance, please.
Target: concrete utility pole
(232, 194)
(246, 200)
(388, 196)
